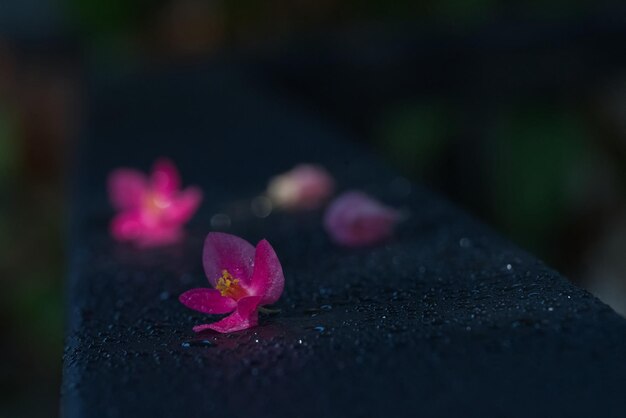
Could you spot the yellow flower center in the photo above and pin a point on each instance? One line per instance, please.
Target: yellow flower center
(155, 203)
(230, 287)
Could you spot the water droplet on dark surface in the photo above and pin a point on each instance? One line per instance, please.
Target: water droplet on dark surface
(261, 207)
(220, 221)
(197, 343)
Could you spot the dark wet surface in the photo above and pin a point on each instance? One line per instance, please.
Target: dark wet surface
(448, 319)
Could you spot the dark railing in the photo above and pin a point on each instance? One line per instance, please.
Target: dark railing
(447, 319)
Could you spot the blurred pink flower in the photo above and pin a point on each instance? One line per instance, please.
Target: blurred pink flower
(243, 280)
(355, 219)
(151, 209)
(304, 187)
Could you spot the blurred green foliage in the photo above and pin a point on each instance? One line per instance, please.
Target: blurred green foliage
(456, 12)
(413, 135)
(8, 160)
(8, 148)
(37, 301)
(468, 10)
(104, 18)
(532, 165)
(537, 155)
(31, 274)
(101, 21)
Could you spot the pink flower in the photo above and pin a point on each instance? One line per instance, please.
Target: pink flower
(151, 210)
(354, 219)
(305, 187)
(243, 280)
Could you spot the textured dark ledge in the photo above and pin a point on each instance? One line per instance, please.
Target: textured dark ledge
(448, 320)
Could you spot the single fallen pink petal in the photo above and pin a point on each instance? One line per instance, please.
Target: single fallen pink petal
(165, 177)
(246, 316)
(355, 219)
(127, 188)
(305, 187)
(227, 252)
(208, 301)
(183, 206)
(268, 279)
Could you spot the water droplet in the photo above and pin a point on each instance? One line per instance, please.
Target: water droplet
(186, 278)
(299, 341)
(261, 207)
(550, 309)
(319, 328)
(509, 267)
(197, 343)
(220, 221)
(326, 307)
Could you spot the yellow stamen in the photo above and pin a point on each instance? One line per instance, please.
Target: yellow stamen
(155, 203)
(229, 286)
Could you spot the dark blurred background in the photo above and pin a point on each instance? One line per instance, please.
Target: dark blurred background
(514, 110)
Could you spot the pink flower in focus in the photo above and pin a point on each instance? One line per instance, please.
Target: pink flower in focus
(305, 187)
(354, 219)
(243, 280)
(151, 209)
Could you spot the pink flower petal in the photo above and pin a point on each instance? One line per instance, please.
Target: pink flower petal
(183, 206)
(132, 226)
(227, 252)
(165, 178)
(209, 301)
(355, 219)
(154, 236)
(246, 316)
(126, 188)
(126, 226)
(267, 279)
(200, 328)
